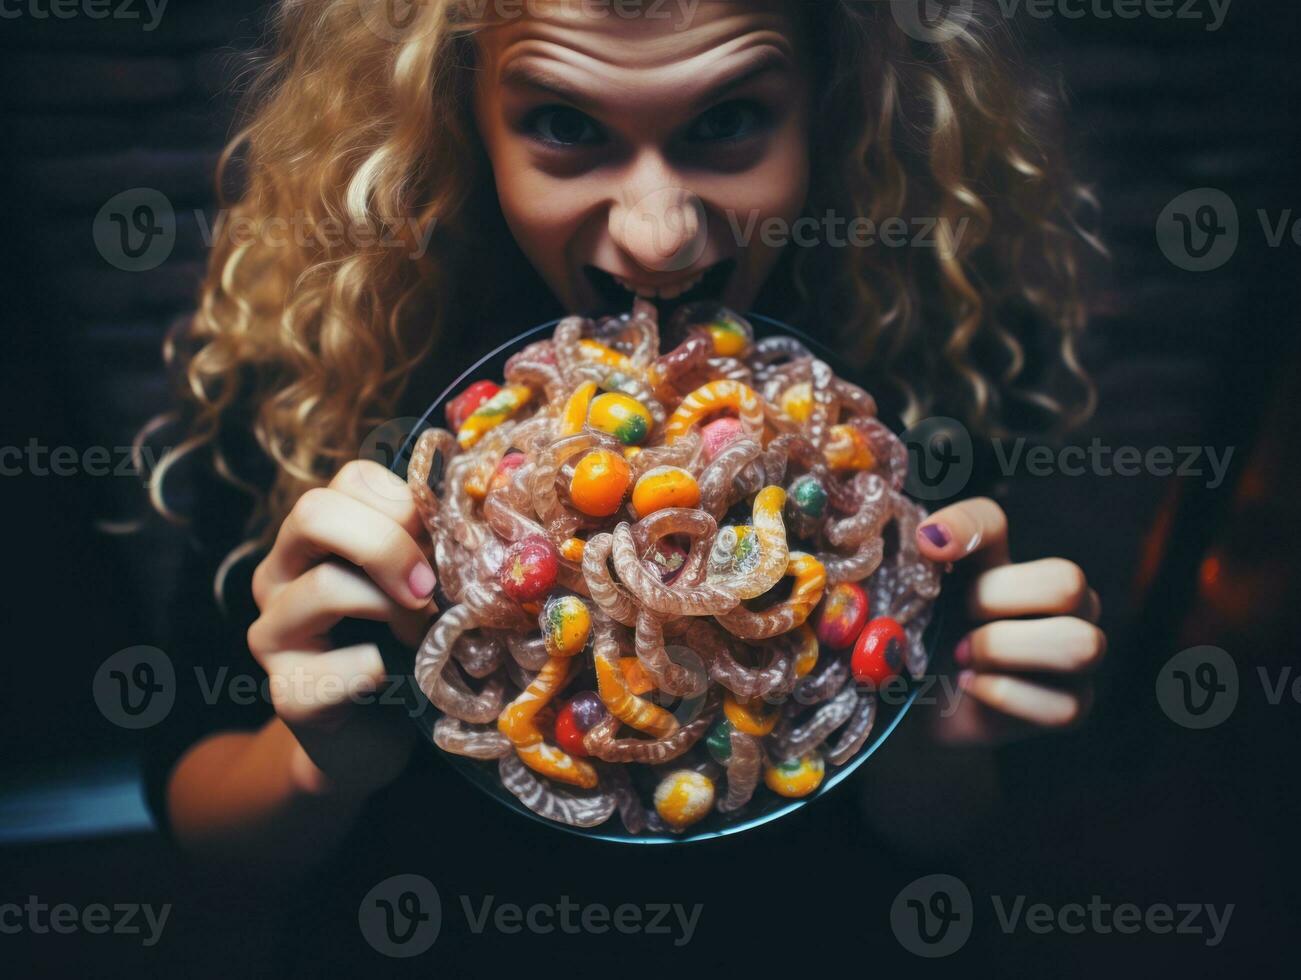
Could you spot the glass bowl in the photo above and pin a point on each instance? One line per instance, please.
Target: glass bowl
(766, 807)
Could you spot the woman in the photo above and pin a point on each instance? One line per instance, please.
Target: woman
(485, 167)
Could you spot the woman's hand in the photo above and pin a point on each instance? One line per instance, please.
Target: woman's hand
(1016, 673)
(348, 550)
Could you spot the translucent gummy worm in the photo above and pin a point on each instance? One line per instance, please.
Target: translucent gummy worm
(856, 731)
(609, 595)
(724, 669)
(810, 580)
(601, 743)
(436, 647)
(744, 764)
(629, 708)
(697, 526)
(648, 589)
(716, 398)
(453, 735)
(519, 724)
(826, 719)
(425, 471)
(587, 810)
(672, 678)
(718, 489)
(751, 564)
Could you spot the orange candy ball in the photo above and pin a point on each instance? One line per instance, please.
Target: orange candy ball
(665, 486)
(600, 483)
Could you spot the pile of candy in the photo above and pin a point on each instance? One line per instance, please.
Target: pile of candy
(658, 569)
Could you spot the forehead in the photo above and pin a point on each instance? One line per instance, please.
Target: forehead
(634, 51)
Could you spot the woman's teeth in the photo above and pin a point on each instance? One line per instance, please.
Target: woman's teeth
(662, 292)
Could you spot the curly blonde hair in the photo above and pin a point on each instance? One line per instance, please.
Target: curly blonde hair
(311, 341)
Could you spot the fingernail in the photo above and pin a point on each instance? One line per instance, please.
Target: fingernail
(936, 534)
(421, 581)
(965, 677)
(962, 652)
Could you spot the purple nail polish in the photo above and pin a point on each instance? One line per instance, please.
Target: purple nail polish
(936, 534)
(965, 677)
(962, 652)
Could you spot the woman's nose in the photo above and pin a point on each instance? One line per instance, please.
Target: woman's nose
(658, 223)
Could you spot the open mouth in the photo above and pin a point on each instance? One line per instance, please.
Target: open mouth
(616, 298)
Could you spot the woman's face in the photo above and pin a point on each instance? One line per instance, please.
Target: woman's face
(645, 153)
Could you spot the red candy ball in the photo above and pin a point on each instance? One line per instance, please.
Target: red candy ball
(530, 569)
(878, 654)
(841, 616)
(463, 405)
(575, 719)
(718, 434)
(568, 735)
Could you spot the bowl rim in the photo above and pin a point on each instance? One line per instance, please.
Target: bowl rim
(479, 775)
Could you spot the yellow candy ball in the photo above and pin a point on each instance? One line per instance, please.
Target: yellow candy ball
(752, 717)
(621, 416)
(795, 777)
(665, 486)
(684, 797)
(566, 623)
(729, 340)
(797, 401)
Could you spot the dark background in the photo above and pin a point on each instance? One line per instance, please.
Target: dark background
(1131, 806)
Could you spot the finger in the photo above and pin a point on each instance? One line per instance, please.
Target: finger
(1046, 707)
(971, 722)
(306, 609)
(1049, 586)
(970, 527)
(1091, 609)
(1058, 645)
(325, 523)
(317, 691)
(379, 487)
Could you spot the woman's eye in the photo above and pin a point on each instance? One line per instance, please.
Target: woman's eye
(562, 126)
(728, 121)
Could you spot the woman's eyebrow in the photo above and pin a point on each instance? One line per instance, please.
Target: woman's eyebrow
(523, 73)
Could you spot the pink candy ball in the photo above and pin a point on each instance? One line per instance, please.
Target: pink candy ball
(718, 434)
